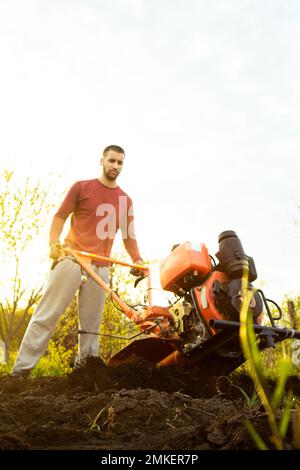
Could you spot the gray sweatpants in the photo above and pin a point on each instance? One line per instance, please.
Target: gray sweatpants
(64, 281)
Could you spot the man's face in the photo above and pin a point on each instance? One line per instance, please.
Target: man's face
(112, 163)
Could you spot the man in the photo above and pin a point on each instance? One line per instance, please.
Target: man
(99, 208)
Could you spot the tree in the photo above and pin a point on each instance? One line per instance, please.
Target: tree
(24, 206)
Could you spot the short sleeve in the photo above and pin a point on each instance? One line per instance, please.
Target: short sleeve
(69, 203)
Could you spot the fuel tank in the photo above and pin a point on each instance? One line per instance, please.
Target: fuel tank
(185, 261)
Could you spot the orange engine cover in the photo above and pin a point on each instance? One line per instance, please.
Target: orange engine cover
(206, 299)
(184, 259)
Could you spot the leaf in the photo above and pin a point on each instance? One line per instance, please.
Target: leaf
(284, 372)
(255, 436)
(94, 424)
(284, 423)
(251, 352)
(296, 427)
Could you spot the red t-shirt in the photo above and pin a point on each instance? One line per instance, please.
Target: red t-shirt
(98, 212)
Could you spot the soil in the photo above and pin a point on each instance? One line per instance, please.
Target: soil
(131, 407)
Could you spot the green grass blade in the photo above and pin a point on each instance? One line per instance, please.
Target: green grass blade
(247, 398)
(251, 352)
(255, 354)
(249, 346)
(284, 423)
(284, 372)
(255, 436)
(296, 427)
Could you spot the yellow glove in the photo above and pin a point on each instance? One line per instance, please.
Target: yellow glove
(56, 250)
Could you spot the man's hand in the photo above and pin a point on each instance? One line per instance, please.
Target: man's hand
(136, 271)
(56, 250)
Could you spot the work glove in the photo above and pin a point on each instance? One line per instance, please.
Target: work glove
(56, 250)
(136, 271)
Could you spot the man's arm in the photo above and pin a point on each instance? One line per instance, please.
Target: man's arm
(128, 234)
(130, 243)
(55, 233)
(56, 229)
(67, 207)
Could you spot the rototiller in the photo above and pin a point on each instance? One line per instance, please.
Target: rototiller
(201, 327)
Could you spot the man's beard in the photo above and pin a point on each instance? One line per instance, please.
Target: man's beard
(111, 175)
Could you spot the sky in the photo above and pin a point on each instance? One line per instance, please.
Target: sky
(204, 95)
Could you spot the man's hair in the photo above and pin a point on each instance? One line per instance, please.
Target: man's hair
(115, 148)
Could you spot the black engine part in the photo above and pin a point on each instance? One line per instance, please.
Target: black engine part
(233, 260)
(229, 299)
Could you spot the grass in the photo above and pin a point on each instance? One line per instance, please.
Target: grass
(270, 401)
(56, 362)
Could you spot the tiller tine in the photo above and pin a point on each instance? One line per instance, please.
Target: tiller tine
(151, 348)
